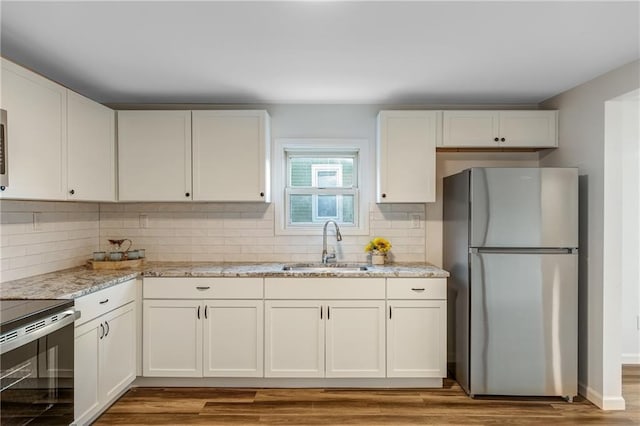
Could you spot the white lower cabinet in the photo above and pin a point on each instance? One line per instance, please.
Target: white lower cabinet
(233, 338)
(355, 339)
(105, 350)
(294, 338)
(314, 335)
(295, 328)
(416, 327)
(202, 337)
(172, 338)
(306, 338)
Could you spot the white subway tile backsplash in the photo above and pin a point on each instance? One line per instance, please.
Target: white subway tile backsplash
(13, 251)
(63, 235)
(233, 232)
(9, 229)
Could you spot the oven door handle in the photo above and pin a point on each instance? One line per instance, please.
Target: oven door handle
(68, 317)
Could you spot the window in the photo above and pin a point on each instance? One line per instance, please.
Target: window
(321, 186)
(321, 181)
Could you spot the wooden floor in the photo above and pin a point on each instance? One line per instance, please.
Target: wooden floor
(447, 406)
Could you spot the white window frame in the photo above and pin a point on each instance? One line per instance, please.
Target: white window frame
(363, 179)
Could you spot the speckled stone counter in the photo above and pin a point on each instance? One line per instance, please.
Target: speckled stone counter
(77, 282)
(187, 269)
(65, 284)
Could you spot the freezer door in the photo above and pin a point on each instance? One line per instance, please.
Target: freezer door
(524, 322)
(524, 207)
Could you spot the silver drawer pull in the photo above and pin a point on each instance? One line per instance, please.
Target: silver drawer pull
(417, 289)
(102, 302)
(203, 288)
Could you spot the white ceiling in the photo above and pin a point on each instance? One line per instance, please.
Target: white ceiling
(321, 52)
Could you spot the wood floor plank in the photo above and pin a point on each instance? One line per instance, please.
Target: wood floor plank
(156, 406)
(447, 406)
(176, 419)
(259, 408)
(338, 395)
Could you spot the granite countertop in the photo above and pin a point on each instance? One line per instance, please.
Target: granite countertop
(76, 282)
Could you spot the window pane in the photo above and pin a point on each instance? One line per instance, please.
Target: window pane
(327, 178)
(321, 172)
(347, 209)
(301, 209)
(327, 206)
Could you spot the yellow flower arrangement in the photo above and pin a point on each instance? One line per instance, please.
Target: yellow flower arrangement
(378, 245)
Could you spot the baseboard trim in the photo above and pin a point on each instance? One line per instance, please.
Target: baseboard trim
(266, 382)
(630, 358)
(611, 403)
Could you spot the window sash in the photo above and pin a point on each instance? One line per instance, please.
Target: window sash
(319, 154)
(314, 193)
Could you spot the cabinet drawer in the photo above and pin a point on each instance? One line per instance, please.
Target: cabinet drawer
(417, 288)
(324, 288)
(95, 304)
(202, 288)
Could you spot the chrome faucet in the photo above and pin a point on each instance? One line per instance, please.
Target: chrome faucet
(325, 255)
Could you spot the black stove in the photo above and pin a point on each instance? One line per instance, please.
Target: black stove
(36, 362)
(16, 313)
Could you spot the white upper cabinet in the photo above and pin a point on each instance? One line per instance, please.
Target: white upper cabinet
(230, 160)
(154, 155)
(91, 150)
(500, 129)
(37, 134)
(536, 129)
(406, 155)
(61, 144)
(231, 156)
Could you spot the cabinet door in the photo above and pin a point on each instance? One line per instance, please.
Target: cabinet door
(355, 339)
(37, 134)
(471, 129)
(406, 155)
(118, 352)
(233, 336)
(231, 156)
(416, 338)
(294, 338)
(91, 173)
(533, 129)
(154, 155)
(172, 338)
(85, 380)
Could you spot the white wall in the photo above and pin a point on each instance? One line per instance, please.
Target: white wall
(581, 140)
(626, 116)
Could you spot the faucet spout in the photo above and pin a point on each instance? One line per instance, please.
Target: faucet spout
(325, 255)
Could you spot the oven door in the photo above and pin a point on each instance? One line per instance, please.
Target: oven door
(37, 378)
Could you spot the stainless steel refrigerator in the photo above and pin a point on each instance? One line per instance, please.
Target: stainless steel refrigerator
(511, 246)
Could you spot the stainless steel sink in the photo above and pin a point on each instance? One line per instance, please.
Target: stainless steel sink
(337, 268)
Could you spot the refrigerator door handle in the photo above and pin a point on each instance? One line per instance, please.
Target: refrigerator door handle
(522, 250)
